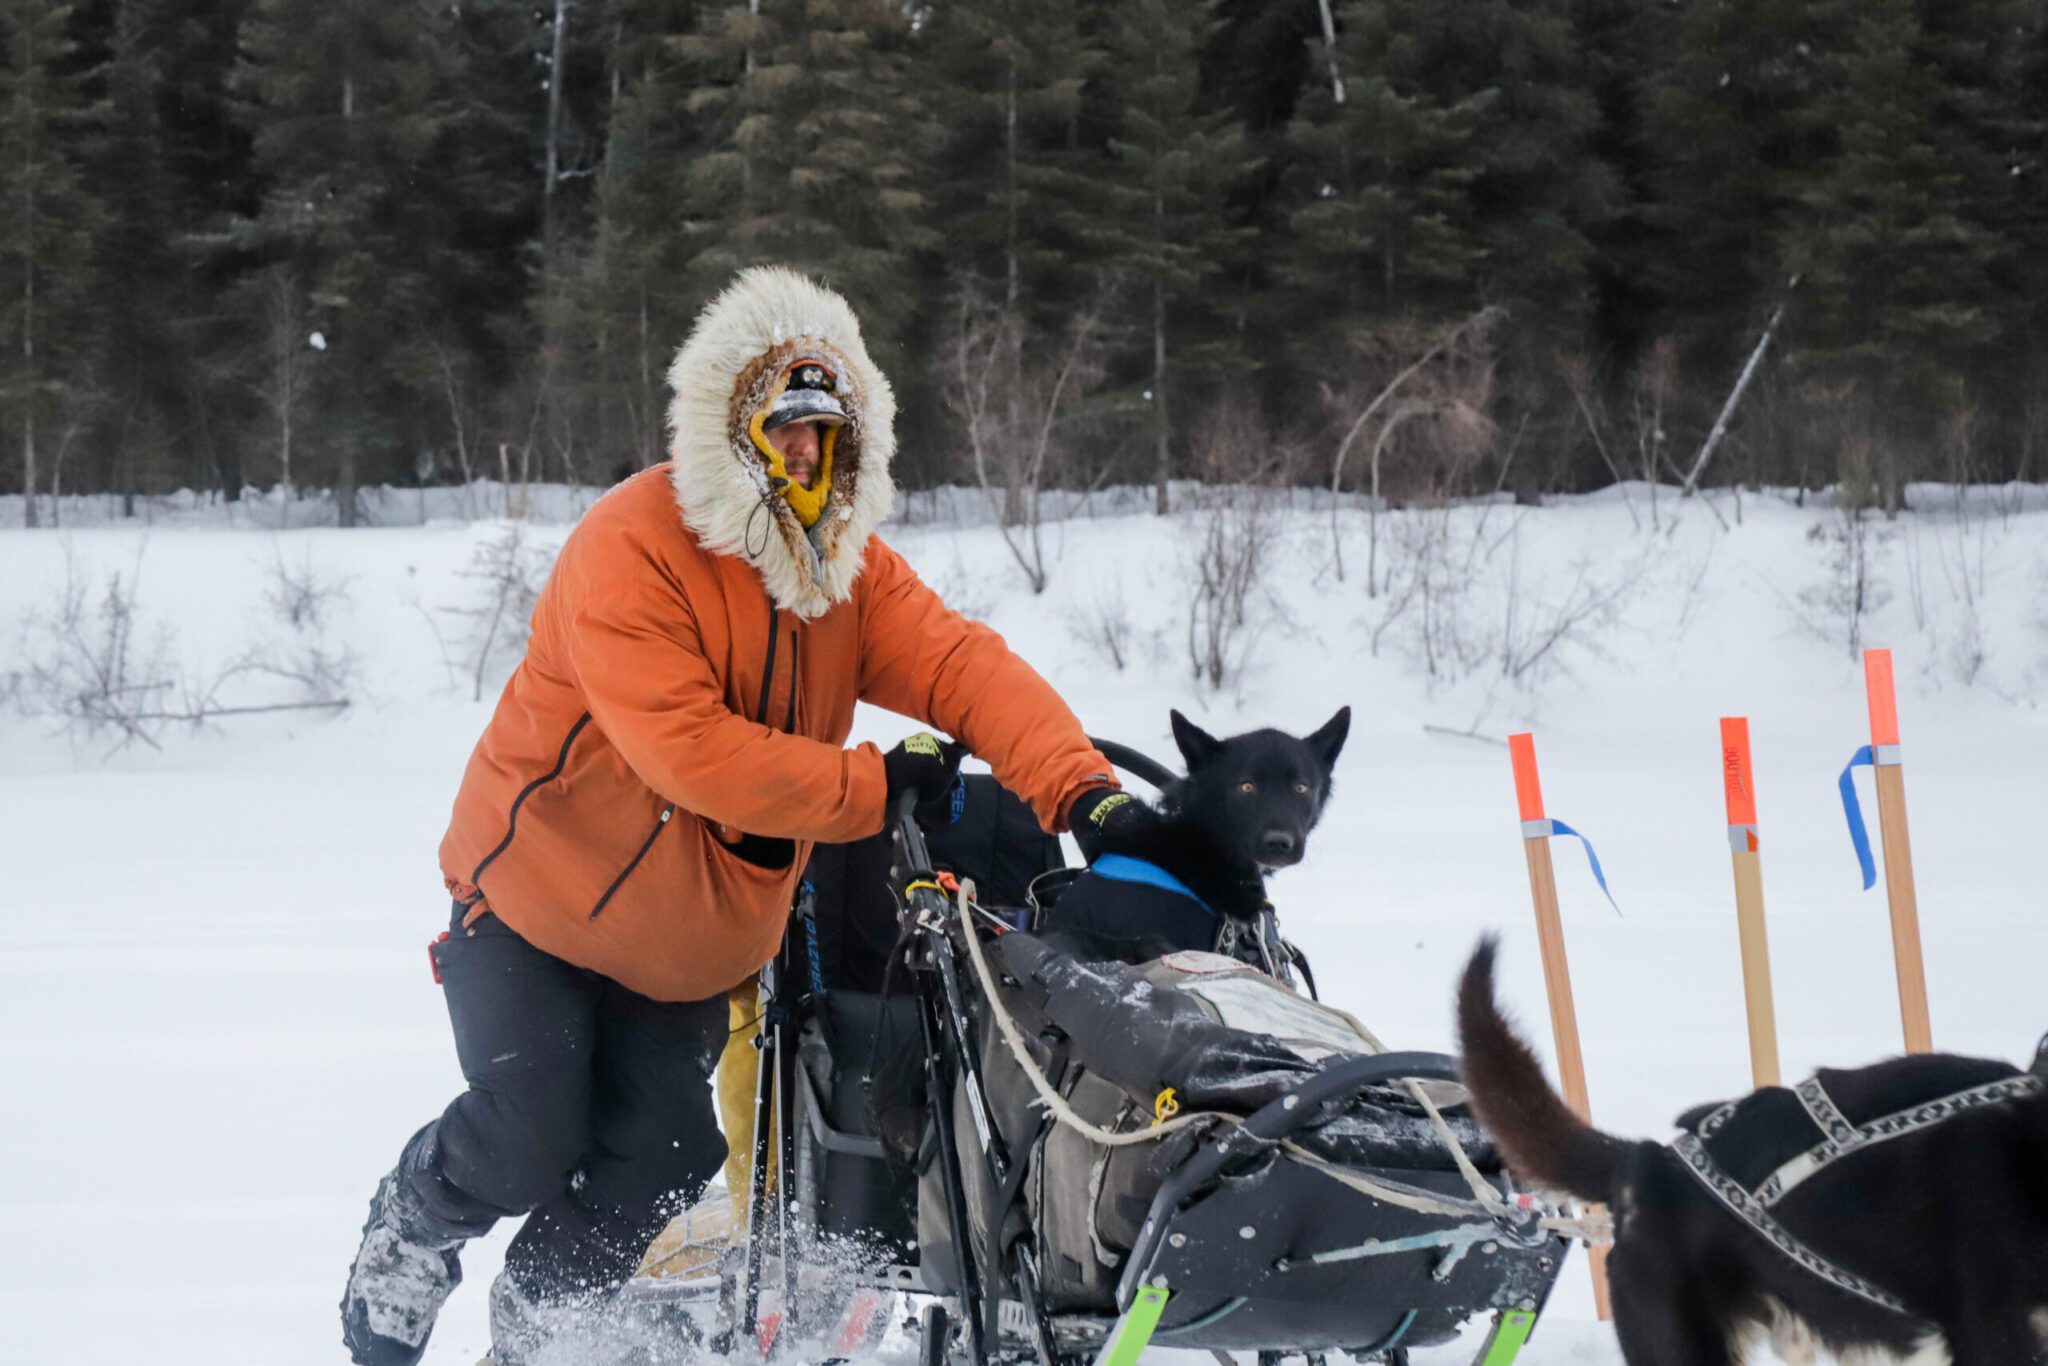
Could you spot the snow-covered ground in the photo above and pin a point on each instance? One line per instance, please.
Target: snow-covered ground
(217, 1023)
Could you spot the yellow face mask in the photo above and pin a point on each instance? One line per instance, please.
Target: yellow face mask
(807, 503)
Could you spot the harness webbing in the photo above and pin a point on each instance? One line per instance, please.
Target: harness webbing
(1124, 868)
(1841, 1137)
(1747, 1208)
(1844, 1138)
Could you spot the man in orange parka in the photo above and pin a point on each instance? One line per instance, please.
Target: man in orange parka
(633, 823)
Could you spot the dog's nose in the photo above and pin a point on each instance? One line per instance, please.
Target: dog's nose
(1277, 844)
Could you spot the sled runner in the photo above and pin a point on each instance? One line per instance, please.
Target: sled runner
(1061, 1158)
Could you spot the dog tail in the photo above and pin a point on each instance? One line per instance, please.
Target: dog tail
(1543, 1141)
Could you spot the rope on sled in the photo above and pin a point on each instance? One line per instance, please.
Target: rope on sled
(1051, 1098)
(1590, 1228)
(1486, 1204)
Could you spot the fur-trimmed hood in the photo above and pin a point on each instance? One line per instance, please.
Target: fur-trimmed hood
(726, 372)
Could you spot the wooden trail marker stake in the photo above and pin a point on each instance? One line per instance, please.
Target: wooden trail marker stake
(1738, 783)
(1557, 976)
(1890, 776)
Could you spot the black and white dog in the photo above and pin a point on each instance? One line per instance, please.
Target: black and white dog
(1173, 877)
(1896, 1212)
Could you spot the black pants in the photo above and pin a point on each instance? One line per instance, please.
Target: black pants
(589, 1110)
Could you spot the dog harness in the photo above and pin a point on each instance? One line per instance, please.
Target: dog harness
(1124, 868)
(1751, 1153)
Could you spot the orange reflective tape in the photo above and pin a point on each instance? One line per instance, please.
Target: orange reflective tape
(1736, 780)
(1528, 791)
(1884, 702)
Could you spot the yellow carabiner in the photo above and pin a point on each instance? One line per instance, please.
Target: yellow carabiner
(1165, 1106)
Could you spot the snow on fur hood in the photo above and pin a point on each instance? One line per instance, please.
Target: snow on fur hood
(768, 318)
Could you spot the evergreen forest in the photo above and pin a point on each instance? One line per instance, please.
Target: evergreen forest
(1429, 248)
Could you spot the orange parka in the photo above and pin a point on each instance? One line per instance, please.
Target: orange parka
(646, 793)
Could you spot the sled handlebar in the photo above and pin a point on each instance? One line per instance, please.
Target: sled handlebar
(910, 834)
(1132, 762)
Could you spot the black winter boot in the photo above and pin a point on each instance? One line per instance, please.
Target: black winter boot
(406, 1267)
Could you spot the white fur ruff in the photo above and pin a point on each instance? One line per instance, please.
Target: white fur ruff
(721, 481)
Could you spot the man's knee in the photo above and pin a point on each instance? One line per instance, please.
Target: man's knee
(516, 1145)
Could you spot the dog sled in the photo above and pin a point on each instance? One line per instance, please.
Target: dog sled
(1060, 1159)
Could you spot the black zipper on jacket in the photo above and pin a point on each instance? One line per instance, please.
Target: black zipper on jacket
(768, 674)
(796, 655)
(512, 819)
(645, 845)
(760, 714)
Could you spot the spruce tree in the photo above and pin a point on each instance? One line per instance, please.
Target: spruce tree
(1383, 219)
(823, 157)
(1015, 181)
(2025, 225)
(138, 286)
(45, 240)
(1988, 62)
(1167, 225)
(629, 297)
(1727, 125)
(1890, 261)
(1517, 64)
(380, 176)
(1457, 173)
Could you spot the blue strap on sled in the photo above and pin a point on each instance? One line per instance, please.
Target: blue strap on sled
(1547, 826)
(1124, 868)
(1853, 811)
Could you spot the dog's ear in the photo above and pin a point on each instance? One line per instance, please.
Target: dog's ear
(1328, 742)
(1197, 746)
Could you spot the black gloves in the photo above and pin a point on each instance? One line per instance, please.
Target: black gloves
(930, 767)
(1103, 818)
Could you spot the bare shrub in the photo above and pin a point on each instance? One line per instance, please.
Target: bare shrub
(1415, 575)
(299, 595)
(1577, 373)
(1656, 381)
(1533, 631)
(1422, 398)
(1234, 532)
(1016, 392)
(1852, 589)
(1459, 602)
(508, 571)
(90, 662)
(303, 600)
(279, 363)
(1433, 567)
(1233, 537)
(1106, 623)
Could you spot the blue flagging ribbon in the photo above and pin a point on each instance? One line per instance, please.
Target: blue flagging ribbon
(1558, 827)
(1853, 810)
(1124, 868)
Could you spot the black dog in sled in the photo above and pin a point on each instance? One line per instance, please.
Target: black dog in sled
(1065, 1159)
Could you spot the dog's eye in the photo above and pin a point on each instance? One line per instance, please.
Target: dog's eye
(1247, 788)
(1301, 789)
